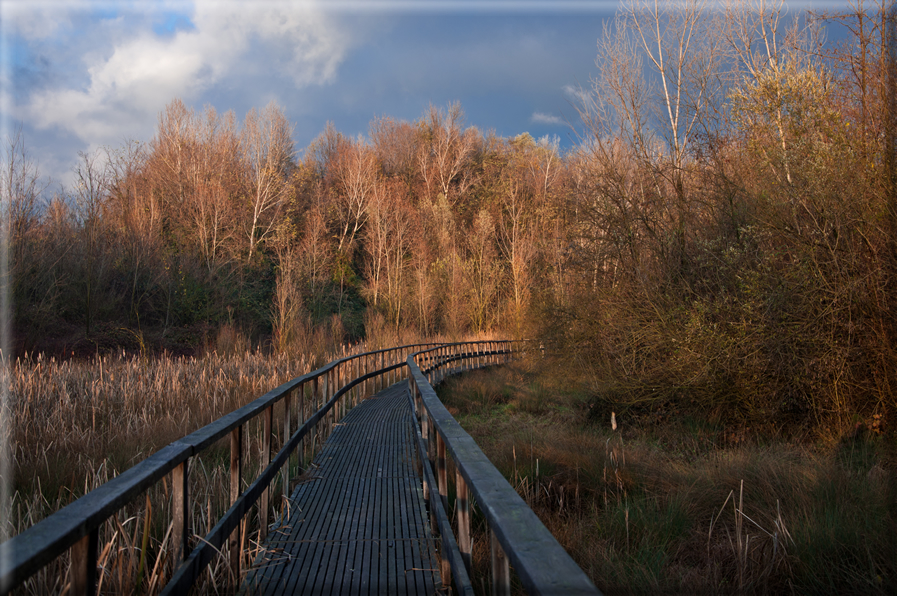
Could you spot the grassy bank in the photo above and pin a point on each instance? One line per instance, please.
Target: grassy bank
(683, 505)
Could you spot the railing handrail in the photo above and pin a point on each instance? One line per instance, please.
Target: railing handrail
(542, 564)
(29, 551)
(182, 579)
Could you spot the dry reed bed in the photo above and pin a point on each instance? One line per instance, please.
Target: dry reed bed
(77, 424)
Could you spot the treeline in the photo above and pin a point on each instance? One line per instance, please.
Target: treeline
(722, 238)
(428, 227)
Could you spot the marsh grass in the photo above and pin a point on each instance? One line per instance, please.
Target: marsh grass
(685, 505)
(77, 424)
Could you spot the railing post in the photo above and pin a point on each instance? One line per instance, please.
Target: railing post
(236, 475)
(462, 509)
(180, 505)
(501, 572)
(441, 474)
(300, 420)
(84, 564)
(355, 374)
(431, 444)
(315, 389)
(331, 391)
(341, 382)
(367, 384)
(379, 365)
(423, 431)
(337, 385)
(287, 415)
(325, 396)
(264, 504)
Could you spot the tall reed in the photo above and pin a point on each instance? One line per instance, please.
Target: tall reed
(77, 424)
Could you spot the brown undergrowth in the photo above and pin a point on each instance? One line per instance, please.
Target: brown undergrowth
(680, 504)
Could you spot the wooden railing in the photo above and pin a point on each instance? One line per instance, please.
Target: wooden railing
(517, 536)
(322, 395)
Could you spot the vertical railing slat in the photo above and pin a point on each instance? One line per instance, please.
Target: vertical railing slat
(180, 507)
(287, 433)
(83, 568)
(462, 508)
(501, 571)
(441, 474)
(236, 476)
(264, 505)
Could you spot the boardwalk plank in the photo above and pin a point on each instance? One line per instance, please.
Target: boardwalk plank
(357, 522)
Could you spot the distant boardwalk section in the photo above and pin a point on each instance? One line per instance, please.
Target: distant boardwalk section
(357, 523)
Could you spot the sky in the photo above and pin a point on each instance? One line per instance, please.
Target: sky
(82, 75)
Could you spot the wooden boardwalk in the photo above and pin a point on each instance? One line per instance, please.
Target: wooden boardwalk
(357, 522)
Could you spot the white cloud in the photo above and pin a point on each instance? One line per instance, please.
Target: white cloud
(578, 95)
(126, 86)
(34, 20)
(542, 118)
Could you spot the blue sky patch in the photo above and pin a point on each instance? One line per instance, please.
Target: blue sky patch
(170, 23)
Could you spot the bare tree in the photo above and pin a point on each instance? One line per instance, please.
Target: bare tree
(354, 168)
(89, 196)
(396, 146)
(445, 154)
(137, 217)
(315, 258)
(768, 52)
(268, 154)
(482, 270)
(287, 309)
(213, 208)
(21, 187)
(518, 245)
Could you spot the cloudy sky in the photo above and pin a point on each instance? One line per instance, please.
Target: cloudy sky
(78, 75)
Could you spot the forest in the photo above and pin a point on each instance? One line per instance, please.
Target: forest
(722, 237)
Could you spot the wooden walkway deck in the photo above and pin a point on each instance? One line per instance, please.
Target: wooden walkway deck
(357, 523)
